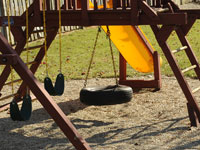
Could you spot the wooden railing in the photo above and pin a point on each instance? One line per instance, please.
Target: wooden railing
(17, 8)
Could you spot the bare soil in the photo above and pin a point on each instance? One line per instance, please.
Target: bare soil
(150, 121)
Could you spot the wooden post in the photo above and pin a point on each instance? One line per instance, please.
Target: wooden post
(157, 71)
(122, 68)
(85, 6)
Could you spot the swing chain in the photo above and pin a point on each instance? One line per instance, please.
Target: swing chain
(111, 51)
(60, 37)
(45, 33)
(10, 41)
(92, 56)
(27, 40)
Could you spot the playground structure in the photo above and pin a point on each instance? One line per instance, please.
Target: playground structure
(122, 12)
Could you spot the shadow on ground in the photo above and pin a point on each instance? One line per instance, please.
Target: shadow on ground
(23, 140)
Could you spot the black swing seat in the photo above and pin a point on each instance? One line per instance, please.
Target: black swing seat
(59, 87)
(106, 95)
(25, 113)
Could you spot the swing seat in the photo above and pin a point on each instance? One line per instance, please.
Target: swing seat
(26, 107)
(48, 85)
(107, 95)
(60, 84)
(25, 113)
(14, 111)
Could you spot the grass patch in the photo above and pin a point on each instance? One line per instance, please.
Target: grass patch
(77, 47)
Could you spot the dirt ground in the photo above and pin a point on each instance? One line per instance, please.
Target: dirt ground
(150, 121)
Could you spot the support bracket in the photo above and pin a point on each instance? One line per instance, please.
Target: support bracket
(8, 59)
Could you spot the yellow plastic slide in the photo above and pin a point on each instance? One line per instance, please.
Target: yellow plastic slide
(132, 47)
(130, 44)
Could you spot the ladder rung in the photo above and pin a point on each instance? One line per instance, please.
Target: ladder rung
(8, 96)
(195, 90)
(179, 49)
(189, 68)
(163, 10)
(33, 47)
(15, 81)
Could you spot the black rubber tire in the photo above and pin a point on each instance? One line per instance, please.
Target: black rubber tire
(108, 95)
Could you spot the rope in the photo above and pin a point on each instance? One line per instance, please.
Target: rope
(9, 38)
(45, 34)
(92, 56)
(60, 40)
(27, 37)
(112, 55)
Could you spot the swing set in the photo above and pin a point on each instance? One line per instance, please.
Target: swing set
(78, 12)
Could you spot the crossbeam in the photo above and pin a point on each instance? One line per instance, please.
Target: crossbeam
(105, 17)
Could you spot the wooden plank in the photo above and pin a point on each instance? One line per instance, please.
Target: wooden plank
(74, 4)
(140, 83)
(123, 4)
(104, 4)
(148, 10)
(191, 12)
(8, 96)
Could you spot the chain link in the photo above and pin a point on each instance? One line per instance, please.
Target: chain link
(60, 37)
(45, 33)
(93, 52)
(92, 56)
(111, 51)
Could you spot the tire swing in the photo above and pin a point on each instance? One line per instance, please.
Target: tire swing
(58, 89)
(26, 109)
(105, 95)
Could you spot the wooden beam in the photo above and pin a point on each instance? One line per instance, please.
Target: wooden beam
(8, 59)
(140, 83)
(107, 17)
(148, 10)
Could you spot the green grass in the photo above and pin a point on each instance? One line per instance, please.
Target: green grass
(77, 47)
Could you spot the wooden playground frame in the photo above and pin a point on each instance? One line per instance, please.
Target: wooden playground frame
(123, 12)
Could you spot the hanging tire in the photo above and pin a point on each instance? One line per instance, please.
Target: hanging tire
(108, 95)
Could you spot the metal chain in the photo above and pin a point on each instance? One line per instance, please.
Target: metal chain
(92, 56)
(10, 41)
(27, 37)
(45, 34)
(60, 37)
(111, 51)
